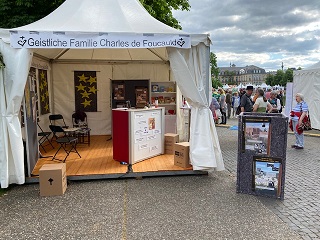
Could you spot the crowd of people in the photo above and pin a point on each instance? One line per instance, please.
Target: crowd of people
(230, 103)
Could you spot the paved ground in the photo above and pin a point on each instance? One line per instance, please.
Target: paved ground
(301, 207)
(191, 207)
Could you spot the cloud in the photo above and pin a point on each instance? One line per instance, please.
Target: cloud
(262, 33)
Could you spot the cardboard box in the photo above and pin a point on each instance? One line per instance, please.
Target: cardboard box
(169, 140)
(181, 155)
(53, 179)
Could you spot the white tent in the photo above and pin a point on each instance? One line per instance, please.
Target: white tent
(307, 82)
(119, 39)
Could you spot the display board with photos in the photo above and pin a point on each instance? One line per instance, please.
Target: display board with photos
(267, 176)
(262, 146)
(257, 135)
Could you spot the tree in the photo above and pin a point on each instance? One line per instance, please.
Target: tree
(288, 77)
(216, 83)
(17, 13)
(277, 78)
(269, 79)
(162, 10)
(21, 12)
(213, 65)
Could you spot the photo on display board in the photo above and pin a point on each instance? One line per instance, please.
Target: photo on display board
(267, 173)
(257, 135)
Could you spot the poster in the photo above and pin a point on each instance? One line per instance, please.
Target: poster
(267, 173)
(257, 135)
(86, 90)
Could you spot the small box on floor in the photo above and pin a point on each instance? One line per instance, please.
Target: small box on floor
(169, 140)
(181, 155)
(53, 179)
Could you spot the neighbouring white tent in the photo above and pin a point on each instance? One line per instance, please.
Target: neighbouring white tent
(307, 82)
(162, 51)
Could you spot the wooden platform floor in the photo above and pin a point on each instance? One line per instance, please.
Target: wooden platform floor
(98, 159)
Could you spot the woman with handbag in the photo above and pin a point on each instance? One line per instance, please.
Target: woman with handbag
(298, 114)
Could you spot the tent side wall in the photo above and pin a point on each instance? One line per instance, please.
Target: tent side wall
(63, 95)
(307, 82)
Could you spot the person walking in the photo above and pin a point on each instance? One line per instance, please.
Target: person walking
(297, 115)
(275, 102)
(228, 102)
(246, 102)
(261, 104)
(223, 106)
(235, 103)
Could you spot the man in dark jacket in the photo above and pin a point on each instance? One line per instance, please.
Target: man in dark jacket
(246, 102)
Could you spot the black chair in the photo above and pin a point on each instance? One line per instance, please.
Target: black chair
(64, 140)
(57, 119)
(44, 137)
(79, 120)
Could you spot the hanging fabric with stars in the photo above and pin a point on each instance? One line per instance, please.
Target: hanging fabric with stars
(85, 88)
(44, 92)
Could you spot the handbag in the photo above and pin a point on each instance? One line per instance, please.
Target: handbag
(218, 113)
(306, 123)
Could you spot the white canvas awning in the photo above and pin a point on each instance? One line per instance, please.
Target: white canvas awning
(128, 20)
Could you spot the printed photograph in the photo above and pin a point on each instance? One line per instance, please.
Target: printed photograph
(267, 177)
(257, 137)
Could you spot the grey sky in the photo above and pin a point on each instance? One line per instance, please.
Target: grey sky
(259, 32)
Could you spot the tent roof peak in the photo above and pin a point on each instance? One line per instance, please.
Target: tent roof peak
(117, 16)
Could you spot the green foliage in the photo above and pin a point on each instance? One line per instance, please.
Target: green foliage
(281, 78)
(277, 78)
(162, 10)
(214, 67)
(216, 83)
(288, 77)
(269, 79)
(16, 13)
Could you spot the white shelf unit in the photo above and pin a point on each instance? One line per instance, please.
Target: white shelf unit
(166, 94)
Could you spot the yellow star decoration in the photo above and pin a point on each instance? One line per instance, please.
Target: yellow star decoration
(85, 94)
(81, 87)
(82, 78)
(43, 98)
(86, 103)
(45, 83)
(92, 80)
(41, 87)
(42, 75)
(93, 89)
(46, 107)
(47, 93)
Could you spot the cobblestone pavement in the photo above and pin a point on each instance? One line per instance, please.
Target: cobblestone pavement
(301, 207)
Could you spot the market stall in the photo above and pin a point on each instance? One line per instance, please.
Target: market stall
(115, 40)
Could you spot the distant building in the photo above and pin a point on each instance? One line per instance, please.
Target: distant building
(245, 75)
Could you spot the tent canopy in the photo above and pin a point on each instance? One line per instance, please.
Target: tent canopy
(114, 18)
(88, 21)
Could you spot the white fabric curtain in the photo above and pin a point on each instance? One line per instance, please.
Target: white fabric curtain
(191, 72)
(12, 83)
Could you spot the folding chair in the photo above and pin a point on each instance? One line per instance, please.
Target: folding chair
(64, 140)
(54, 119)
(44, 137)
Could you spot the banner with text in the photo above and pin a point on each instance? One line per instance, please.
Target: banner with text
(26, 39)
